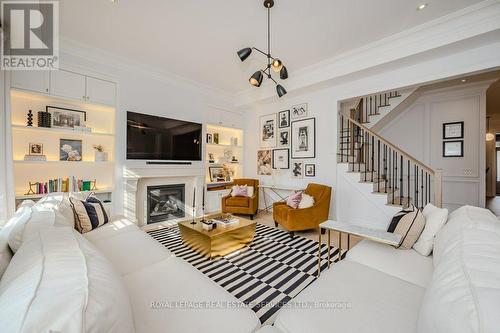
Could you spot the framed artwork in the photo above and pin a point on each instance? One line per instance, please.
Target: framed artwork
(66, 118)
(35, 149)
(284, 138)
(281, 159)
(70, 150)
(310, 170)
(268, 131)
(453, 130)
(299, 111)
(298, 169)
(209, 138)
(284, 119)
(304, 138)
(216, 173)
(216, 138)
(264, 165)
(453, 148)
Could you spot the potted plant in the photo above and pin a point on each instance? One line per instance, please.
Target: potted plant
(100, 154)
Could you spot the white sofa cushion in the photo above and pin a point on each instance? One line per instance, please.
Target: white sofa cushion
(351, 297)
(57, 281)
(117, 225)
(464, 293)
(406, 265)
(131, 251)
(59, 203)
(173, 296)
(435, 219)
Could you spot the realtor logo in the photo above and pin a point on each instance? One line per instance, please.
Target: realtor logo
(30, 35)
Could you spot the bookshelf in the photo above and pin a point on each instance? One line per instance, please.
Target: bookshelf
(100, 118)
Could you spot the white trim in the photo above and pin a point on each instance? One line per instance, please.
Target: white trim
(467, 23)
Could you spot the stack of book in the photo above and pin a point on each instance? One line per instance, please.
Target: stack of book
(37, 158)
(225, 220)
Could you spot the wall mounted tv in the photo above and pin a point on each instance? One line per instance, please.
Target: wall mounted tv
(157, 138)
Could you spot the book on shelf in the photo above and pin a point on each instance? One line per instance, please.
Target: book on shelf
(68, 184)
(37, 158)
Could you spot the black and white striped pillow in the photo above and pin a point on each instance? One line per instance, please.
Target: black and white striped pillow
(89, 214)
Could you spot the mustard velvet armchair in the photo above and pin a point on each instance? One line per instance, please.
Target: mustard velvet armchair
(242, 205)
(308, 218)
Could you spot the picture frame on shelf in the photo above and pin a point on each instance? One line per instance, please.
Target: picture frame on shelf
(310, 170)
(281, 159)
(284, 119)
(303, 140)
(453, 148)
(299, 111)
(216, 138)
(284, 138)
(66, 118)
(70, 150)
(298, 169)
(216, 174)
(210, 139)
(35, 149)
(453, 130)
(268, 131)
(264, 162)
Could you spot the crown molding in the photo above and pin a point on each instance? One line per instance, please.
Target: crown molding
(467, 23)
(119, 63)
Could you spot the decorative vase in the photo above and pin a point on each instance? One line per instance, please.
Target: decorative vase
(101, 156)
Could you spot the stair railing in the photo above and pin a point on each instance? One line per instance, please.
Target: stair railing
(401, 176)
(369, 105)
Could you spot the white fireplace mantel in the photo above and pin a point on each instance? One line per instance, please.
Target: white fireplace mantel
(138, 175)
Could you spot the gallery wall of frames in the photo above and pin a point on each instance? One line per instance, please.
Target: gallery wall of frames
(287, 141)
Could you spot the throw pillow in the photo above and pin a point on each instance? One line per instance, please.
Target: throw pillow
(409, 226)
(435, 219)
(306, 201)
(89, 214)
(294, 200)
(239, 191)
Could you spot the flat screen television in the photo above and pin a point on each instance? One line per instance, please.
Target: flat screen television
(157, 138)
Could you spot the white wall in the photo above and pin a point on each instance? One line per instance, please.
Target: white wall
(323, 100)
(418, 131)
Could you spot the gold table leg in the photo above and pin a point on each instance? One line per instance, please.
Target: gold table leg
(329, 261)
(319, 252)
(348, 242)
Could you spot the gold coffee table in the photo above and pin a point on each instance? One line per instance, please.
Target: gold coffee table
(220, 241)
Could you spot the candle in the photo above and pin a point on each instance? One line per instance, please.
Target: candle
(203, 197)
(194, 197)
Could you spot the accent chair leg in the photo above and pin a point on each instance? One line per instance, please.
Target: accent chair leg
(251, 216)
(292, 234)
(275, 224)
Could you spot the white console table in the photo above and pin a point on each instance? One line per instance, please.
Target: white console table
(276, 190)
(379, 236)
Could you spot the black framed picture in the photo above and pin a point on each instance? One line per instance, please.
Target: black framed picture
(454, 148)
(454, 130)
(284, 119)
(310, 170)
(66, 118)
(304, 138)
(281, 159)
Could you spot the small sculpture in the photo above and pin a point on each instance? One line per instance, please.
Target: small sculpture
(30, 118)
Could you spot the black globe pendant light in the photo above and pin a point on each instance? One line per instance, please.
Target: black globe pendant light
(273, 64)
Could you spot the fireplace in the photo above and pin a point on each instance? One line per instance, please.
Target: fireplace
(165, 202)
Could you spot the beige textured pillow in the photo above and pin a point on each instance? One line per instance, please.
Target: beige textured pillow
(410, 226)
(306, 201)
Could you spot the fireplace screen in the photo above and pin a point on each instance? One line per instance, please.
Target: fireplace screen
(165, 202)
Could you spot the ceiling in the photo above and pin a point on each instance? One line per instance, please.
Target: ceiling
(199, 39)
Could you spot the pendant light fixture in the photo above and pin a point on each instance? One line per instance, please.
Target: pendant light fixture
(274, 64)
(489, 136)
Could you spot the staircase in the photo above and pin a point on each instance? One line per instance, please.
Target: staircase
(390, 172)
(373, 108)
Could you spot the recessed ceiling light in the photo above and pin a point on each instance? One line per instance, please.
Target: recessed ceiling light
(421, 6)
(464, 80)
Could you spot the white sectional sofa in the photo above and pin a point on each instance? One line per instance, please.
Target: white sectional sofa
(388, 290)
(113, 279)
(118, 279)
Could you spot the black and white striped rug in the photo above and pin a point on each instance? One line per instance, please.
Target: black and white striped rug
(266, 275)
